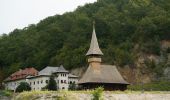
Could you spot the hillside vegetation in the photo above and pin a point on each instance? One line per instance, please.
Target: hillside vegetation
(124, 29)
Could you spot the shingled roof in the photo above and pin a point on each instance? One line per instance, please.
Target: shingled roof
(72, 76)
(94, 46)
(21, 74)
(102, 74)
(49, 70)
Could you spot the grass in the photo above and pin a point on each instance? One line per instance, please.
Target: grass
(150, 88)
(58, 95)
(138, 92)
(5, 93)
(72, 95)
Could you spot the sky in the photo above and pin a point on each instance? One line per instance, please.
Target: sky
(20, 13)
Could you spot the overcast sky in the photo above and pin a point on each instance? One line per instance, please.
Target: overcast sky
(20, 13)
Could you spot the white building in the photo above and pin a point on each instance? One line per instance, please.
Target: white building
(62, 77)
(12, 85)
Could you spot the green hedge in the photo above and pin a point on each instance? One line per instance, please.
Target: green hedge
(155, 86)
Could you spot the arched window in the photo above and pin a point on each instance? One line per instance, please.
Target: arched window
(61, 81)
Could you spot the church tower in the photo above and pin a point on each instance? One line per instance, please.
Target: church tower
(98, 74)
(94, 53)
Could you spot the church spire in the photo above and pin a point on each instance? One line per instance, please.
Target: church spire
(94, 46)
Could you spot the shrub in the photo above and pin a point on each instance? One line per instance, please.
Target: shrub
(97, 93)
(72, 86)
(24, 86)
(5, 93)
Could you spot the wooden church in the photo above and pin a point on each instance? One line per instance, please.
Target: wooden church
(98, 74)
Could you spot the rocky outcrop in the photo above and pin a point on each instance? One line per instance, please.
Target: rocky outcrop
(167, 73)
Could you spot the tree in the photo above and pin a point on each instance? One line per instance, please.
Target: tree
(23, 86)
(97, 93)
(122, 24)
(72, 86)
(52, 85)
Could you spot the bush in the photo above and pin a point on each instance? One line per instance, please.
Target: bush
(97, 93)
(5, 93)
(24, 86)
(72, 86)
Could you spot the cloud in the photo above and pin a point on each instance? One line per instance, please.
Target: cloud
(21, 13)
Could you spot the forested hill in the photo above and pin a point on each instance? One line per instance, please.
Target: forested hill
(124, 29)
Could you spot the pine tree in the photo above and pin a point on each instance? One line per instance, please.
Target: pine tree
(52, 85)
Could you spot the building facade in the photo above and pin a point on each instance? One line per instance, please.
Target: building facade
(39, 80)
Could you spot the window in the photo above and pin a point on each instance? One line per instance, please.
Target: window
(46, 81)
(70, 82)
(37, 82)
(63, 88)
(34, 83)
(30, 83)
(65, 81)
(41, 81)
(61, 81)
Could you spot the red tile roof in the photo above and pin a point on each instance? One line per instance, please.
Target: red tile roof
(23, 73)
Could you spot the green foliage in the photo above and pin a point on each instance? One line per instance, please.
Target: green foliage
(64, 39)
(97, 93)
(152, 47)
(23, 86)
(155, 86)
(150, 64)
(5, 93)
(156, 68)
(72, 86)
(168, 50)
(52, 85)
(123, 57)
